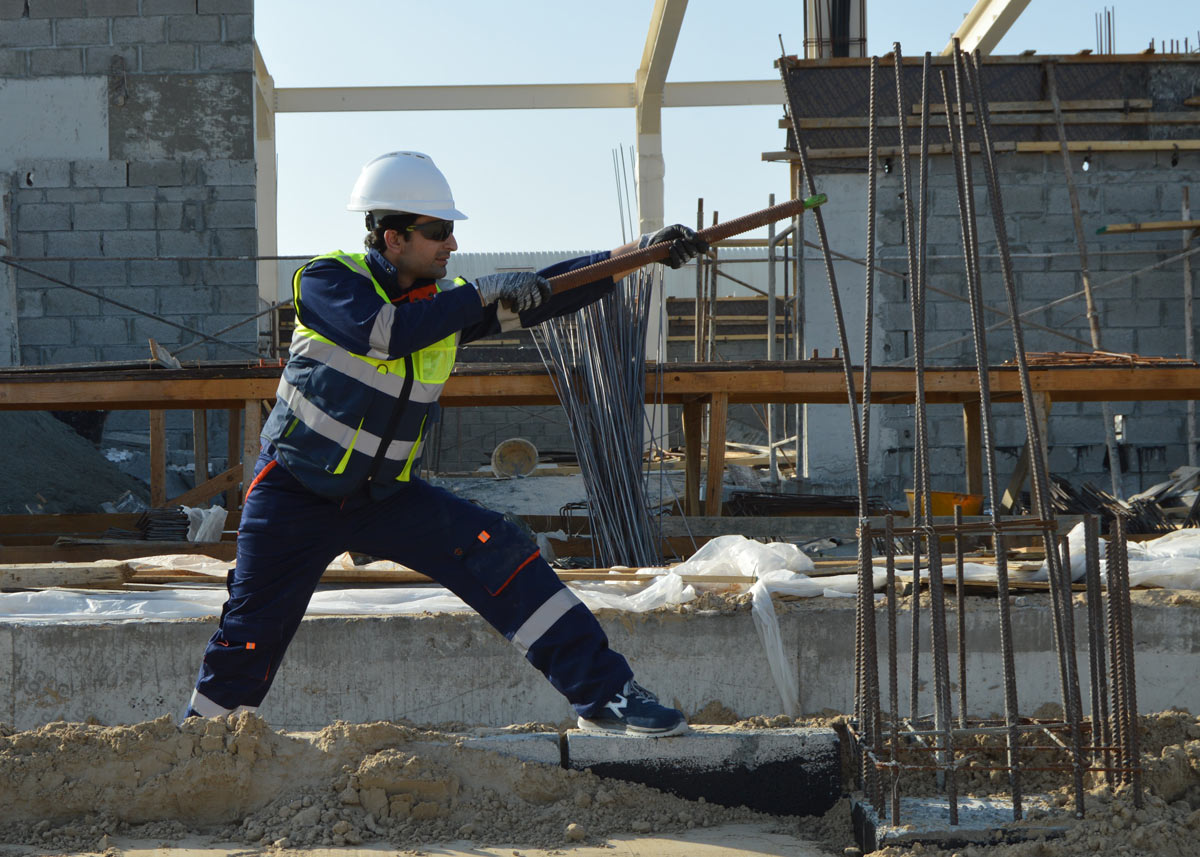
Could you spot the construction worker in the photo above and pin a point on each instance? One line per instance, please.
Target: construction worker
(375, 339)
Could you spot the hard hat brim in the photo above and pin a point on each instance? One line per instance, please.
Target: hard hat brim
(432, 210)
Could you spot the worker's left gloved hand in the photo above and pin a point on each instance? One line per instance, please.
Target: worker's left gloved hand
(685, 243)
(518, 290)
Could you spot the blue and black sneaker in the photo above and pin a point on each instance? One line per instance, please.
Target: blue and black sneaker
(636, 711)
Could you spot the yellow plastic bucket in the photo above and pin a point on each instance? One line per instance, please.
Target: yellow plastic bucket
(943, 503)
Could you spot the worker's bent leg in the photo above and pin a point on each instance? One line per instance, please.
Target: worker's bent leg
(492, 566)
(286, 539)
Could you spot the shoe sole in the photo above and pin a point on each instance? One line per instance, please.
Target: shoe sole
(625, 729)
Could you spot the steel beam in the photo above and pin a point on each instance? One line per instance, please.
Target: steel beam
(985, 25)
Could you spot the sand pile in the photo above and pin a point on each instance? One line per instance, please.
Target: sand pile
(69, 785)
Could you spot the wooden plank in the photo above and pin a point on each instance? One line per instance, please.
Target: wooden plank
(1034, 147)
(233, 497)
(693, 429)
(1149, 226)
(1079, 104)
(1036, 119)
(200, 443)
(158, 458)
(210, 488)
(32, 554)
(973, 447)
(101, 573)
(251, 442)
(718, 412)
(52, 526)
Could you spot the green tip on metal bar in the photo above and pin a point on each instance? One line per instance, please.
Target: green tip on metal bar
(1101, 230)
(814, 201)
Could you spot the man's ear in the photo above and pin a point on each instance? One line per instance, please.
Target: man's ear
(393, 240)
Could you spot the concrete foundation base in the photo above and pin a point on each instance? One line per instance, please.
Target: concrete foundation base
(454, 668)
(927, 820)
(777, 771)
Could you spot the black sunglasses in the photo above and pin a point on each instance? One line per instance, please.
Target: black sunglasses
(434, 230)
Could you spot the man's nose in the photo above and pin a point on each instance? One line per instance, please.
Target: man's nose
(452, 242)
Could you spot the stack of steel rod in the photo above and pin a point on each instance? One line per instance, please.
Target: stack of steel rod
(884, 743)
(597, 360)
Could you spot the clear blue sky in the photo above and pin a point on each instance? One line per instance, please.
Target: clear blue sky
(543, 179)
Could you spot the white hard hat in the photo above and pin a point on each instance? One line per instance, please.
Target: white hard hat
(404, 181)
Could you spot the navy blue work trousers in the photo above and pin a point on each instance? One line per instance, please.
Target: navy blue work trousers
(288, 536)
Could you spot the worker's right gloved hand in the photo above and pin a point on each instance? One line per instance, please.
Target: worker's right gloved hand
(686, 244)
(518, 290)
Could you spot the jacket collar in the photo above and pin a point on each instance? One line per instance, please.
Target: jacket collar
(385, 273)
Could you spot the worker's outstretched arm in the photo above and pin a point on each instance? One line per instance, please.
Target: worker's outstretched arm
(685, 246)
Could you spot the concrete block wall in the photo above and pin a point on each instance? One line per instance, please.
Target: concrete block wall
(133, 177)
(1142, 314)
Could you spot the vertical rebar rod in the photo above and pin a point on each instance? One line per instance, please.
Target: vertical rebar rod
(1132, 743)
(893, 667)
(1096, 642)
(915, 240)
(1116, 654)
(958, 134)
(960, 597)
(870, 683)
(1059, 577)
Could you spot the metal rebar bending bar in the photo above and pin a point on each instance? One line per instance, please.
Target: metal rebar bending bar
(1096, 640)
(958, 136)
(1059, 577)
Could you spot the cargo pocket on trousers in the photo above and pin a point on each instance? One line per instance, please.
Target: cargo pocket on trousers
(495, 555)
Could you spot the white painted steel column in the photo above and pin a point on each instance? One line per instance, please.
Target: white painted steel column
(266, 183)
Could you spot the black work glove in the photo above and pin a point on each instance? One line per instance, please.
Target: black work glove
(685, 244)
(518, 290)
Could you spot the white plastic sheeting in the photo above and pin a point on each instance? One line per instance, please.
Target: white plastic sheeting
(776, 568)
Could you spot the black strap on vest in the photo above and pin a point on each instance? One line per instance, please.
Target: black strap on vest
(393, 423)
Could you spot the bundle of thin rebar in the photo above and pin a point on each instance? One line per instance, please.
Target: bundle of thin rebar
(597, 361)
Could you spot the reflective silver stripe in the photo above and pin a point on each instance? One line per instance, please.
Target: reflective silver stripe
(205, 707)
(341, 360)
(347, 364)
(552, 609)
(336, 431)
(381, 333)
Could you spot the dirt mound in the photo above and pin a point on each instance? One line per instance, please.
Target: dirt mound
(67, 785)
(49, 468)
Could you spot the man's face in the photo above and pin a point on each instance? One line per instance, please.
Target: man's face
(416, 255)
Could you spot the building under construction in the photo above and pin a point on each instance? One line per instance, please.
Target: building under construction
(955, 382)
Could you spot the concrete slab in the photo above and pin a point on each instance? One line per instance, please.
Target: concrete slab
(779, 771)
(927, 820)
(548, 748)
(454, 668)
